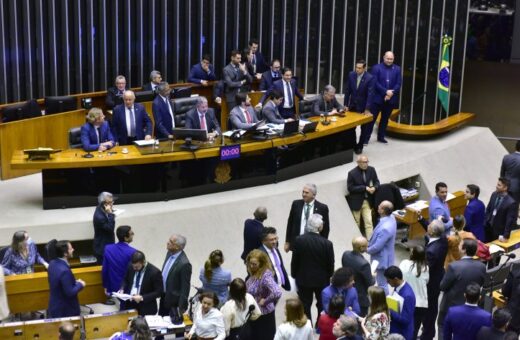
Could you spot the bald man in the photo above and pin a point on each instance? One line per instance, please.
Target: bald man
(362, 275)
(130, 122)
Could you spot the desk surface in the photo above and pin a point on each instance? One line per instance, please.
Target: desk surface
(512, 243)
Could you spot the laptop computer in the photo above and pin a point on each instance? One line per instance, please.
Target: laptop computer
(290, 128)
(309, 127)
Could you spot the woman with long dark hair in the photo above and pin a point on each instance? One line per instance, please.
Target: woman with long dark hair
(237, 309)
(22, 255)
(137, 330)
(214, 278)
(208, 322)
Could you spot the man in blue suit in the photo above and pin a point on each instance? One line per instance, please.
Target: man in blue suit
(203, 72)
(287, 86)
(464, 321)
(270, 76)
(259, 63)
(387, 82)
(253, 231)
(381, 245)
(64, 288)
(202, 117)
(95, 133)
(359, 90)
(402, 322)
(130, 122)
(162, 110)
(475, 212)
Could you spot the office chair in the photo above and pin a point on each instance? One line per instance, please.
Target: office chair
(75, 138)
(181, 107)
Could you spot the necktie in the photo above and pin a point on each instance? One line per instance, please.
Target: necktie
(98, 135)
(138, 279)
(289, 94)
(202, 118)
(254, 59)
(307, 212)
(498, 201)
(364, 176)
(278, 266)
(358, 81)
(132, 122)
(248, 117)
(237, 72)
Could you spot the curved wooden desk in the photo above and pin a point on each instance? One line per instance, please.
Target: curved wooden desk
(442, 126)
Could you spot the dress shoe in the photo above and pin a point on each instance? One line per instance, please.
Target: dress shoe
(382, 140)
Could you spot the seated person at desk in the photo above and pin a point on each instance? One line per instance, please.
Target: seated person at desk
(162, 110)
(155, 80)
(202, 117)
(327, 104)
(268, 77)
(202, 72)
(287, 86)
(22, 255)
(137, 329)
(439, 209)
(95, 133)
(270, 110)
(243, 115)
(115, 93)
(130, 122)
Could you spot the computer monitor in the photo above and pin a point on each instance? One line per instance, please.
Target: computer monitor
(144, 96)
(60, 104)
(180, 92)
(188, 135)
(13, 112)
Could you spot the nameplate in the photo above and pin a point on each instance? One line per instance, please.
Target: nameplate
(229, 152)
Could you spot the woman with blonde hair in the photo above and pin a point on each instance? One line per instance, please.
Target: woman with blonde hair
(22, 255)
(296, 325)
(376, 325)
(262, 286)
(214, 278)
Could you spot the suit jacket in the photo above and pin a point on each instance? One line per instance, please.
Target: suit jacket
(63, 300)
(511, 291)
(458, 275)
(252, 236)
(403, 323)
(161, 115)
(261, 64)
(362, 274)
(89, 137)
(151, 289)
(475, 215)
(193, 121)
(359, 98)
(381, 74)
(270, 113)
(382, 243)
(237, 119)
(312, 262)
(435, 256)
(356, 187)
(505, 218)
(490, 333)
(321, 107)
(267, 80)
(143, 124)
(177, 283)
(295, 216)
(463, 322)
(197, 74)
(104, 225)
(287, 284)
(510, 169)
(279, 86)
(149, 87)
(233, 80)
(113, 98)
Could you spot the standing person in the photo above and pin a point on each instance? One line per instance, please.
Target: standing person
(501, 213)
(209, 321)
(362, 183)
(510, 169)
(416, 274)
(215, 278)
(439, 208)
(262, 286)
(22, 255)
(376, 325)
(312, 264)
(328, 318)
(176, 274)
(270, 247)
(162, 111)
(342, 284)
(458, 234)
(258, 59)
(288, 87)
(130, 121)
(381, 245)
(155, 80)
(296, 325)
(359, 90)
(387, 84)
(115, 93)
(511, 291)
(270, 76)
(500, 321)
(236, 77)
(104, 224)
(362, 274)
(203, 72)
(300, 212)
(475, 212)
(402, 322)
(253, 231)
(63, 287)
(95, 133)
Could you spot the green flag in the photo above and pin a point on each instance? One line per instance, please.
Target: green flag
(443, 82)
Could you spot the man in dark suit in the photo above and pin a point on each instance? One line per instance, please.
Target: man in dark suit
(176, 275)
(501, 213)
(326, 104)
(115, 93)
(300, 212)
(287, 85)
(63, 287)
(104, 224)
(402, 322)
(143, 281)
(436, 250)
(362, 274)
(253, 231)
(387, 82)
(500, 321)
(95, 133)
(270, 76)
(155, 81)
(259, 62)
(130, 122)
(202, 117)
(511, 291)
(463, 322)
(359, 90)
(346, 328)
(270, 247)
(243, 115)
(270, 111)
(510, 169)
(362, 183)
(312, 264)
(162, 110)
(236, 78)
(459, 275)
(203, 72)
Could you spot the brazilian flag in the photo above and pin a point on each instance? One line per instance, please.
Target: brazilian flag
(443, 83)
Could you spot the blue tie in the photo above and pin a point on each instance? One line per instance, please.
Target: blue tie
(289, 94)
(166, 270)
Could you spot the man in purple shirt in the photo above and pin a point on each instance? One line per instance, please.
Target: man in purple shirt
(116, 259)
(439, 209)
(342, 283)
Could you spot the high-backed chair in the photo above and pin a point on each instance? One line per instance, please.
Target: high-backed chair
(181, 107)
(104, 325)
(75, 138)
(305, 107)
(58, 104)
(32, 109)
(48, 329)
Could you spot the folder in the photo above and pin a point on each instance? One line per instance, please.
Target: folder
(394, 302)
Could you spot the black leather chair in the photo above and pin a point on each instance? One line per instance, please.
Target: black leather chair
(75, 138)
(305, 107)
(32, 109)
(28, 109)
(181, 107)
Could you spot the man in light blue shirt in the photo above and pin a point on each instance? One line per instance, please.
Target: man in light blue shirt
(439, 209)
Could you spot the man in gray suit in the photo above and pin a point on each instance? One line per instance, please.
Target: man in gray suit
(511, 170)
(270, 110)
(243, 116)
(458, 275)
(326, 104)
(236, 77)
(362, 274)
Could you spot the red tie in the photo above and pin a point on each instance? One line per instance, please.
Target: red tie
(202, 121)
(248, 116)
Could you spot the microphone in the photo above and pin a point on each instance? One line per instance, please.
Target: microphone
(509, 255)
(199, 290)
(252, 307)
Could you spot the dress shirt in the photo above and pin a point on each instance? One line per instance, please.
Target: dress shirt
(167, 266)
(303, 222)
(209, 325)
(287, 95)
(129, 117)
(169, 109)
(289, 331)
(349, 296)
(235, 317)
(433, 239)
(247, 116)
(136, 284)
(418, 284)
(278, 272)
(219, 283)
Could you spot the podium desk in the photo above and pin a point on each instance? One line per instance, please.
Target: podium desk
(512, 243)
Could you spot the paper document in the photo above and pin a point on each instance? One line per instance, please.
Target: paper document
(449, 196)
(157, 321)
(121, 296)
(144, 142)
(230, 132)
(118, 212)
(373, 266)
(418, 206)
(493, 248)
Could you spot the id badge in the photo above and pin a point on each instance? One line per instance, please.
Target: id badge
(494, 212)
